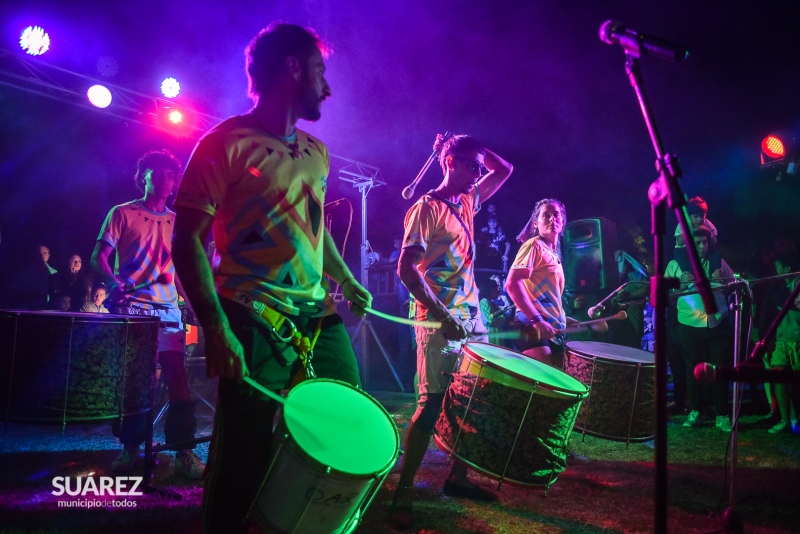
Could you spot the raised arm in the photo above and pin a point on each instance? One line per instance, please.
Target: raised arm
(499, 171)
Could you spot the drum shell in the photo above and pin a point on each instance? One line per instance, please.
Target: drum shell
(620, 405)
(302, 495)
(60, 367)
(487, 407)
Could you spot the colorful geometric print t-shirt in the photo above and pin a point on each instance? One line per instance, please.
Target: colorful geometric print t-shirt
(545, 281)
(266, 196)
(448, 260)
(143, 240)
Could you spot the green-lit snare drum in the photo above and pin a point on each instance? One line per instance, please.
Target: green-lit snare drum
(338, 446)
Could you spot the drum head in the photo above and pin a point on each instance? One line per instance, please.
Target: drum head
(341, 427)
(611, 352)
(523, 368)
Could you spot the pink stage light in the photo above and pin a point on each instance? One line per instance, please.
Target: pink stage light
(99, 96)
(170, 87)
(34, 40)
(175, 116)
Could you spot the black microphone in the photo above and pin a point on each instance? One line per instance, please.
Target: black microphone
(639, 44)
(744, 372)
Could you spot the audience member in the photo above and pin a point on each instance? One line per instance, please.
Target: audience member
(96, 304)
(73, 281)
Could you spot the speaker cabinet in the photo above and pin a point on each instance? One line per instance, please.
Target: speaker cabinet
(589, 264)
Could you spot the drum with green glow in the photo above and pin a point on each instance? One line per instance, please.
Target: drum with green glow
(338, 446)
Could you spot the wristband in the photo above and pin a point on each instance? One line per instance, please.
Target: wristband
(533, 321)
(351, 279)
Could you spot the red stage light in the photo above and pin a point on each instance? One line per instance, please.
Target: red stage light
(773, 146)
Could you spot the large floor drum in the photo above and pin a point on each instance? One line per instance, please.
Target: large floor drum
(509, 416)
(621, 384)
(59, 367)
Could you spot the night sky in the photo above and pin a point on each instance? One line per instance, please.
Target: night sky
(532, 80)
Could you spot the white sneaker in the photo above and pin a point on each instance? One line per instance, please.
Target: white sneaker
(782, 426)
(724, 423)
(126, 461)
(189, 465)
(692, 420)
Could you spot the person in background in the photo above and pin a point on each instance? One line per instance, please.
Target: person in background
(96, 304)
(784, 351)
(74, 281)
(703, 337)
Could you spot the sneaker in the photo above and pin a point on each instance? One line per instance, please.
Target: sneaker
(782, 426)
(189, 465)
(724, 423)
(796, 428)
(693, 419)
(126, 461)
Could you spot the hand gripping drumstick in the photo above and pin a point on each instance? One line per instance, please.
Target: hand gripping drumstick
(163, 278)
(600, 324)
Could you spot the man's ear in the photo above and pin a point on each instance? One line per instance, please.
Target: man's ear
(450, 162)
(293, 67)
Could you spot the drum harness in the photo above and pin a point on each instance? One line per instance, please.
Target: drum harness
(303, 345)
(290, 343)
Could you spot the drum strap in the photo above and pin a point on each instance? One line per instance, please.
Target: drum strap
(284, 331)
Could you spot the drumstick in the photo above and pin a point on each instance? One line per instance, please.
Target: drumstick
(403, 320)
(580, 327)
(258, 387)
(163, 278)
(598, 325)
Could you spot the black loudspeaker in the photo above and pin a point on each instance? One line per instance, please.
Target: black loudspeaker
(589, 264)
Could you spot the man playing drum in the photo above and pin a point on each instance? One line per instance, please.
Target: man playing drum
(140, 232)
(261, 183)
(436, 264)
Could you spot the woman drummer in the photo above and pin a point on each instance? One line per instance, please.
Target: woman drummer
(536, 282)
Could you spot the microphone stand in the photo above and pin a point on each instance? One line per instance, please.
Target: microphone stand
(662, 192)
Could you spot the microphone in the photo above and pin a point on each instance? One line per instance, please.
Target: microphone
(639, 44)
(595, 311)
(744, 372)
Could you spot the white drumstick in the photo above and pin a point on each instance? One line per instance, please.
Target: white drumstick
(403, 320)
(261, 389)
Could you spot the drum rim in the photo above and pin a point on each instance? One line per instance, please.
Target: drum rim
(609, 359)
(536, 383)
(81, 317)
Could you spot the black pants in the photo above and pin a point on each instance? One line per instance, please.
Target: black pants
(712, 345)
(239, 454)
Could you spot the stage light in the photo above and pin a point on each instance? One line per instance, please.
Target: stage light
(170, 87)
(99, 96)
(779, 149)
(107, 66)
(175, 116)
(175, 120)
(34, 40)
